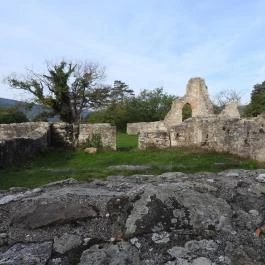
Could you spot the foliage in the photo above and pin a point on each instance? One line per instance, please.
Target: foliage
(67, 88)
(149, 105)
(120, 92)
(12, 115)
(186, 111)
(93, 141)
(54, 165)
(257, 102)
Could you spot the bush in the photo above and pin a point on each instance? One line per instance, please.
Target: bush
(93, 141)
(12, 115)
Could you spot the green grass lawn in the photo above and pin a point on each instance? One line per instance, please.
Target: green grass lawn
(55, 164)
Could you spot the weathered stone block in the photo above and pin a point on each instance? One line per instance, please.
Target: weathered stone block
(157, 139)
(137, 127)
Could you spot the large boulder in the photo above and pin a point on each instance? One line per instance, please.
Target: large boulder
(170, 219)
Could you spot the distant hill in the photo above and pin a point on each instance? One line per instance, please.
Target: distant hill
(23, 106)
(4, 102)
(30, 112)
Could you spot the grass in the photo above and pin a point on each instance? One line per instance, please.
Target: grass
(57, 164)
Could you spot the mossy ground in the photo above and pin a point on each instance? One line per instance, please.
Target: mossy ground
(57, 164)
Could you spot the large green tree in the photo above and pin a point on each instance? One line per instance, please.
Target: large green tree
(149, 105)
(67, 88)
(257, 102)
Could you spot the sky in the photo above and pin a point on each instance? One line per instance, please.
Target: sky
(144, 43)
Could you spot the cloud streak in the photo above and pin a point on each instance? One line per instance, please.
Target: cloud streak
(146, 44)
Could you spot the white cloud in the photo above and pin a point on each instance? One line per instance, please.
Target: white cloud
(147, 44)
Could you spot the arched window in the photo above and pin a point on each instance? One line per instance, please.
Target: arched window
(186, 111)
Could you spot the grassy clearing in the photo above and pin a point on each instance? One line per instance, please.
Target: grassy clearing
(54, 164)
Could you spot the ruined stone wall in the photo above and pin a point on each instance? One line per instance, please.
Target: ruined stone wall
(65, 134)
(135, 128)
(105, 130)
(62, 134)
(21, 140)
(157, 139)
(198, 98)
(242, 137)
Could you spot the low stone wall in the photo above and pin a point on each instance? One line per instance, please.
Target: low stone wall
(137, 127)
(65, 134)
(20, 140)
(242, 137)
(62, 134)
(153, 139)
(26, 139)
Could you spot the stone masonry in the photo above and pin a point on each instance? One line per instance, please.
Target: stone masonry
(198, 98)
(225, 132)
(21, 140)
(137, 127)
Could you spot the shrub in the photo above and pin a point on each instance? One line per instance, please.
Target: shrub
(12, 115)
(93, 141)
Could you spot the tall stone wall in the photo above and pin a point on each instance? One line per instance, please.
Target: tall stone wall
(21, 140)
(198, 98)
(135, 128)
(242, 137)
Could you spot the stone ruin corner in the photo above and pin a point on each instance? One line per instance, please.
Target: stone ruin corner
(225, 132)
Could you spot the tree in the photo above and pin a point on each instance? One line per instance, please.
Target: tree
(225, 96)
(152, 105)
(12, 115)
(120, 92)
(186, 112)
(257, 101)
(149, 105)
(115, 109)
(67, 88)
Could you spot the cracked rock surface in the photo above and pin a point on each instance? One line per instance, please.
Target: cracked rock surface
(170, 219)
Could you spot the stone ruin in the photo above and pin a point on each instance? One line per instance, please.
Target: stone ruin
(198, 98)
(225, 132)
(20, 140)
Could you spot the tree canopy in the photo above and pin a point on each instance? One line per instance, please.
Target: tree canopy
(257, 101)
(67, 88)
(149, 105)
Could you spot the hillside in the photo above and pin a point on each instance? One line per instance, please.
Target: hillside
(24, 107)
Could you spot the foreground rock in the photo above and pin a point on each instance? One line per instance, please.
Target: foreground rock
(171, 219)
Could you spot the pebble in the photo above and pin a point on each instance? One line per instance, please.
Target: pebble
(261, 178)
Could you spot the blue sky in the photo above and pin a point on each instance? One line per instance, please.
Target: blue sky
(145, 43)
